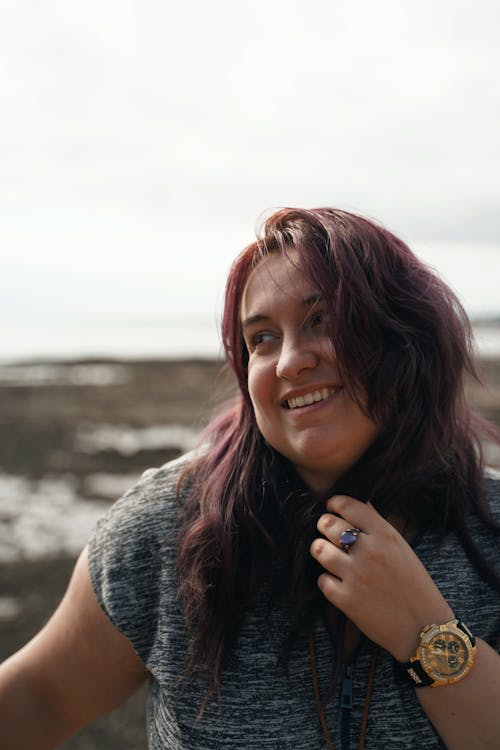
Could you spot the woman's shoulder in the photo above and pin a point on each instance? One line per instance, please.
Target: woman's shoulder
(156, 492)
(134, 545)
(162, 482)
(144, 518)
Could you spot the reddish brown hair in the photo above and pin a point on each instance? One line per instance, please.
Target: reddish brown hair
(403, 340)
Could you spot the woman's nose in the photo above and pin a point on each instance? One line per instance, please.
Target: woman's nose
(296, 356)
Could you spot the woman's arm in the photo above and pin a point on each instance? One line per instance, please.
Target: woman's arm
(77, 668)
(384, 589)
(467, 714)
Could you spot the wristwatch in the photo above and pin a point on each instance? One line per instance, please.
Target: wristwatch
(445, 654)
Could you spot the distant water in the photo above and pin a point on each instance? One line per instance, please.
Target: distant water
(55, 514)
(81, 339)
(57, 333)
(43, 327)
(488, 339)
(156, 340)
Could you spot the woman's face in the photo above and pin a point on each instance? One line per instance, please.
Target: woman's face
(300, 404)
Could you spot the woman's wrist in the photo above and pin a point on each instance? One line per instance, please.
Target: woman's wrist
(409, 637)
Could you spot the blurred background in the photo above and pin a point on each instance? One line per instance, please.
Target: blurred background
(140, 143)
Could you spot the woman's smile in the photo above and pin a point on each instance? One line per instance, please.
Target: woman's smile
(310, 398)
(301, 405)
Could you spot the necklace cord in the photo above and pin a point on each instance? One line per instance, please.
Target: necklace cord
(317, 695)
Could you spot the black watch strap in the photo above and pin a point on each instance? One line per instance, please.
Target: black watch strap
(416, 674)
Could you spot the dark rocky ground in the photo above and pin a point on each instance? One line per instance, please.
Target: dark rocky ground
(38, 424)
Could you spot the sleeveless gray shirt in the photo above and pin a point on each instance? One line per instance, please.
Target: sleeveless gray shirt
(132, 557)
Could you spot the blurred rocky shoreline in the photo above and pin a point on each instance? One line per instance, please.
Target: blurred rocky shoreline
(75, 436)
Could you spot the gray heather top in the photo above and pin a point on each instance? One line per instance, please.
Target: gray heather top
(132, 567)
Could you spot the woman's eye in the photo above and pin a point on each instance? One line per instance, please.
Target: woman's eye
(261, 337)
(318, 318)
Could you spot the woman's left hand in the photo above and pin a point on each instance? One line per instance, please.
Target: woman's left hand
(380, 584)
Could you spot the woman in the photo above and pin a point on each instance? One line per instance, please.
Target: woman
(278, 587)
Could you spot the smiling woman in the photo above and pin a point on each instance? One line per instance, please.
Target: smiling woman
(302, 578)
(300, 404)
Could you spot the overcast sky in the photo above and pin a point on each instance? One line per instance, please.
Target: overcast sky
(141, 140)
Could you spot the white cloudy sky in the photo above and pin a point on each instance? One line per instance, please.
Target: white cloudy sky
(141, 140)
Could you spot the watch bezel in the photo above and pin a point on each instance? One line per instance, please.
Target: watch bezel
(426, 653)
(420, 664)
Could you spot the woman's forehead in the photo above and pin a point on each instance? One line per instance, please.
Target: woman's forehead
(276, 276)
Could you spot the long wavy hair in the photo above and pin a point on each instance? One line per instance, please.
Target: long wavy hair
(403, 341)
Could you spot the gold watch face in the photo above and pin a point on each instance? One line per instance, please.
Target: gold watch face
(446, 654)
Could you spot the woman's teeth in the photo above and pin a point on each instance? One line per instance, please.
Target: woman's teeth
(310, 398)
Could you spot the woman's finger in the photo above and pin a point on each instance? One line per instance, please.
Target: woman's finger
(331, 588)
(356, 513)
(330, 557)
(337, 531)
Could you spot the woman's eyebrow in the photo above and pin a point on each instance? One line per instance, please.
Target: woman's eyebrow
(254, 319)
(313, 299)
(309, 301)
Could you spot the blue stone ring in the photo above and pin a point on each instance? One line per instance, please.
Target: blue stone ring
(348, 538)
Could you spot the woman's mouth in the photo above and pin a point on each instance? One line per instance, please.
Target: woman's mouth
(312, 397)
